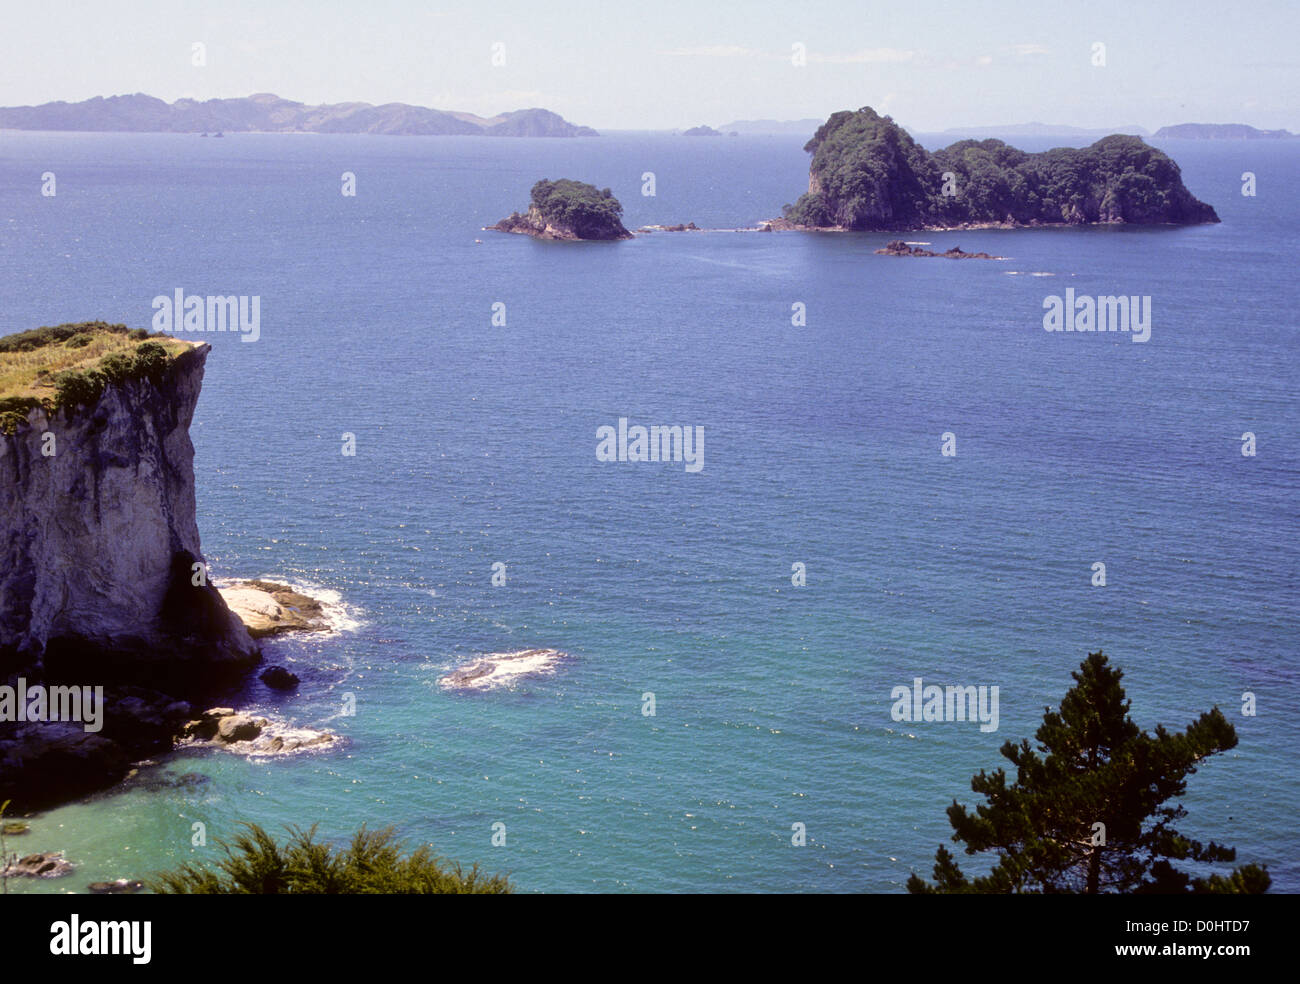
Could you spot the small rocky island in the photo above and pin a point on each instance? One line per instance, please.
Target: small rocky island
(701, 131)
(568, 210)
(896, 247)
(868, 174)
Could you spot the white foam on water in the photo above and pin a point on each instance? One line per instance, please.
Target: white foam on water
(501, 669)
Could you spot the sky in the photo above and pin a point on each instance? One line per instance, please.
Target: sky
(666, 64)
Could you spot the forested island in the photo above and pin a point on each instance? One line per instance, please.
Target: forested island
(1221, 131)
(867, 173)
(268, 113)
(566, 209)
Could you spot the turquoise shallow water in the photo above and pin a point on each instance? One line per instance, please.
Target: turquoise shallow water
(476, 444)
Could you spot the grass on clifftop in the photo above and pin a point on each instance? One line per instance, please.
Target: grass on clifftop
(69, 365)
(374, 863)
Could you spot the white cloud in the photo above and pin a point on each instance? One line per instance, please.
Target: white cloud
(868, 56)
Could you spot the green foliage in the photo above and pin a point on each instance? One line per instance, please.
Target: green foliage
(871, 172)
(872, 175)
(810, 210)
(1093, 765)
(83, 387)
(373, 863)
(78, 341)
(27, 341)
(117, 366)
(77, 387)
(151, 361)
(14, 410)
(589, 212)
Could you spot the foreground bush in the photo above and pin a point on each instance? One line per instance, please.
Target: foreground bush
(375, 863)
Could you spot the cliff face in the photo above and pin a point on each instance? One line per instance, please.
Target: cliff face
(98, 542)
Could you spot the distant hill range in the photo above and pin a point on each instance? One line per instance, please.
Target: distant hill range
(269, 113)
(1222, 131)
(797, 128)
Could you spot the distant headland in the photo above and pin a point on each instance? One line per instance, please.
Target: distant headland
(1221, 131)
(868, 174)
(268, 113)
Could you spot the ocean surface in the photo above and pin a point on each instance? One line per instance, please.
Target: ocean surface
(476, 445)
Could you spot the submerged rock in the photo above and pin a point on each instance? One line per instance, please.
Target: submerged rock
(122, 886)
(278, 678)
(49, 864)
(497, 669)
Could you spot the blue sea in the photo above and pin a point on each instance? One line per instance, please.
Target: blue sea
(476, 446)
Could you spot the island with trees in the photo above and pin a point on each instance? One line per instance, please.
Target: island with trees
(568, 210)
(867, 173)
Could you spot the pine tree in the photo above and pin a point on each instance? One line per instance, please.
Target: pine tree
(1091, 809)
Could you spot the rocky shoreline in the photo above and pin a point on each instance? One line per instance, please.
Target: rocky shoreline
(230, 730)
(47, 763)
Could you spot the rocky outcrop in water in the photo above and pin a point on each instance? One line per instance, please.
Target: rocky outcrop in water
(50, 864)
(230, 730)
(896, 247)
(267, 608)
